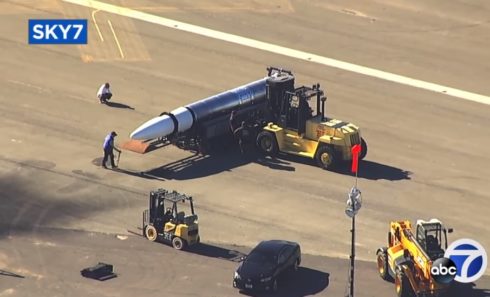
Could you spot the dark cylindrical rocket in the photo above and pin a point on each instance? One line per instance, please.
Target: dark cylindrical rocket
(184, 118)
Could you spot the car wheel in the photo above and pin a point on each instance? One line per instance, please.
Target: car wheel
(296, 265)
(274, 286)
(151, 233)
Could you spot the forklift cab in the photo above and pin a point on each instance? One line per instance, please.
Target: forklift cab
(432, 237)
(166, 207)
(296, 111)
(289, 105)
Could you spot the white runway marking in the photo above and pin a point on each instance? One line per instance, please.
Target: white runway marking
(97, 26)
(115, 38)
(310, 57)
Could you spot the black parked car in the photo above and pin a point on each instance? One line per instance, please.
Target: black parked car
(266, 262)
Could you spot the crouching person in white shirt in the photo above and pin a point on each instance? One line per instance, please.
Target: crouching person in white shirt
(104, 94)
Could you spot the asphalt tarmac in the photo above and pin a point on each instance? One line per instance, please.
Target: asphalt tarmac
(427, 155)
(48, 263)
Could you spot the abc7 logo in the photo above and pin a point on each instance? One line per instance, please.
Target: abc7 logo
(465, 261)
(443, 270)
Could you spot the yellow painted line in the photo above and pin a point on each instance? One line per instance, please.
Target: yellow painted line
(97, 26)
(281, 50)
(117, 40)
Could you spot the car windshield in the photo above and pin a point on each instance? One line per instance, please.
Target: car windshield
(262, 258)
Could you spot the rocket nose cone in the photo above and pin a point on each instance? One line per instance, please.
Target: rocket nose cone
(154, 128)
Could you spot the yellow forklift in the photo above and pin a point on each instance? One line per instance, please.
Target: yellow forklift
(297, 129)
(165, 219)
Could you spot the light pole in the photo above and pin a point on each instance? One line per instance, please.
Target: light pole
(354, 202)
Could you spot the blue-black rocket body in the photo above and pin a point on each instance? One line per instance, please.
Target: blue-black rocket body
(184, 118)
(235, 99)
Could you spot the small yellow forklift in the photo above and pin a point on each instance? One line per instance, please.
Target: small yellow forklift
(165, 219)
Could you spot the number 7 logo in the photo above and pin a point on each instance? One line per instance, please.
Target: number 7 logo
(470, 258)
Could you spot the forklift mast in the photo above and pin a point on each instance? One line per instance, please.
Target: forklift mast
(276, 88)
(156, 202)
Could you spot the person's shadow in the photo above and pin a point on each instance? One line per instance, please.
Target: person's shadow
(118, 105)
(8, 273)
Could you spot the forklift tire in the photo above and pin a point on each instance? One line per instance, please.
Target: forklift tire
(383, 265)
(151, 233)
(178, 243)
(325, 157)
(402, 285)
(364, 149)
(267, 144)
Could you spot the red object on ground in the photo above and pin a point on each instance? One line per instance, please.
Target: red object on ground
(136, 146)
(356, 151)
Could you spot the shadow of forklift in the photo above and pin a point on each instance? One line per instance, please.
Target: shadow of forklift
(165, 220)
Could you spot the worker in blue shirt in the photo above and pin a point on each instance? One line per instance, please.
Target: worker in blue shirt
(109, 149)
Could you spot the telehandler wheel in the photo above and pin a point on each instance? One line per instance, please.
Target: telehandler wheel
(151, 233)
(383, 266)
(364, 149)
(325, 157)
(178, 243)
(402, 285)
(267, 144)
